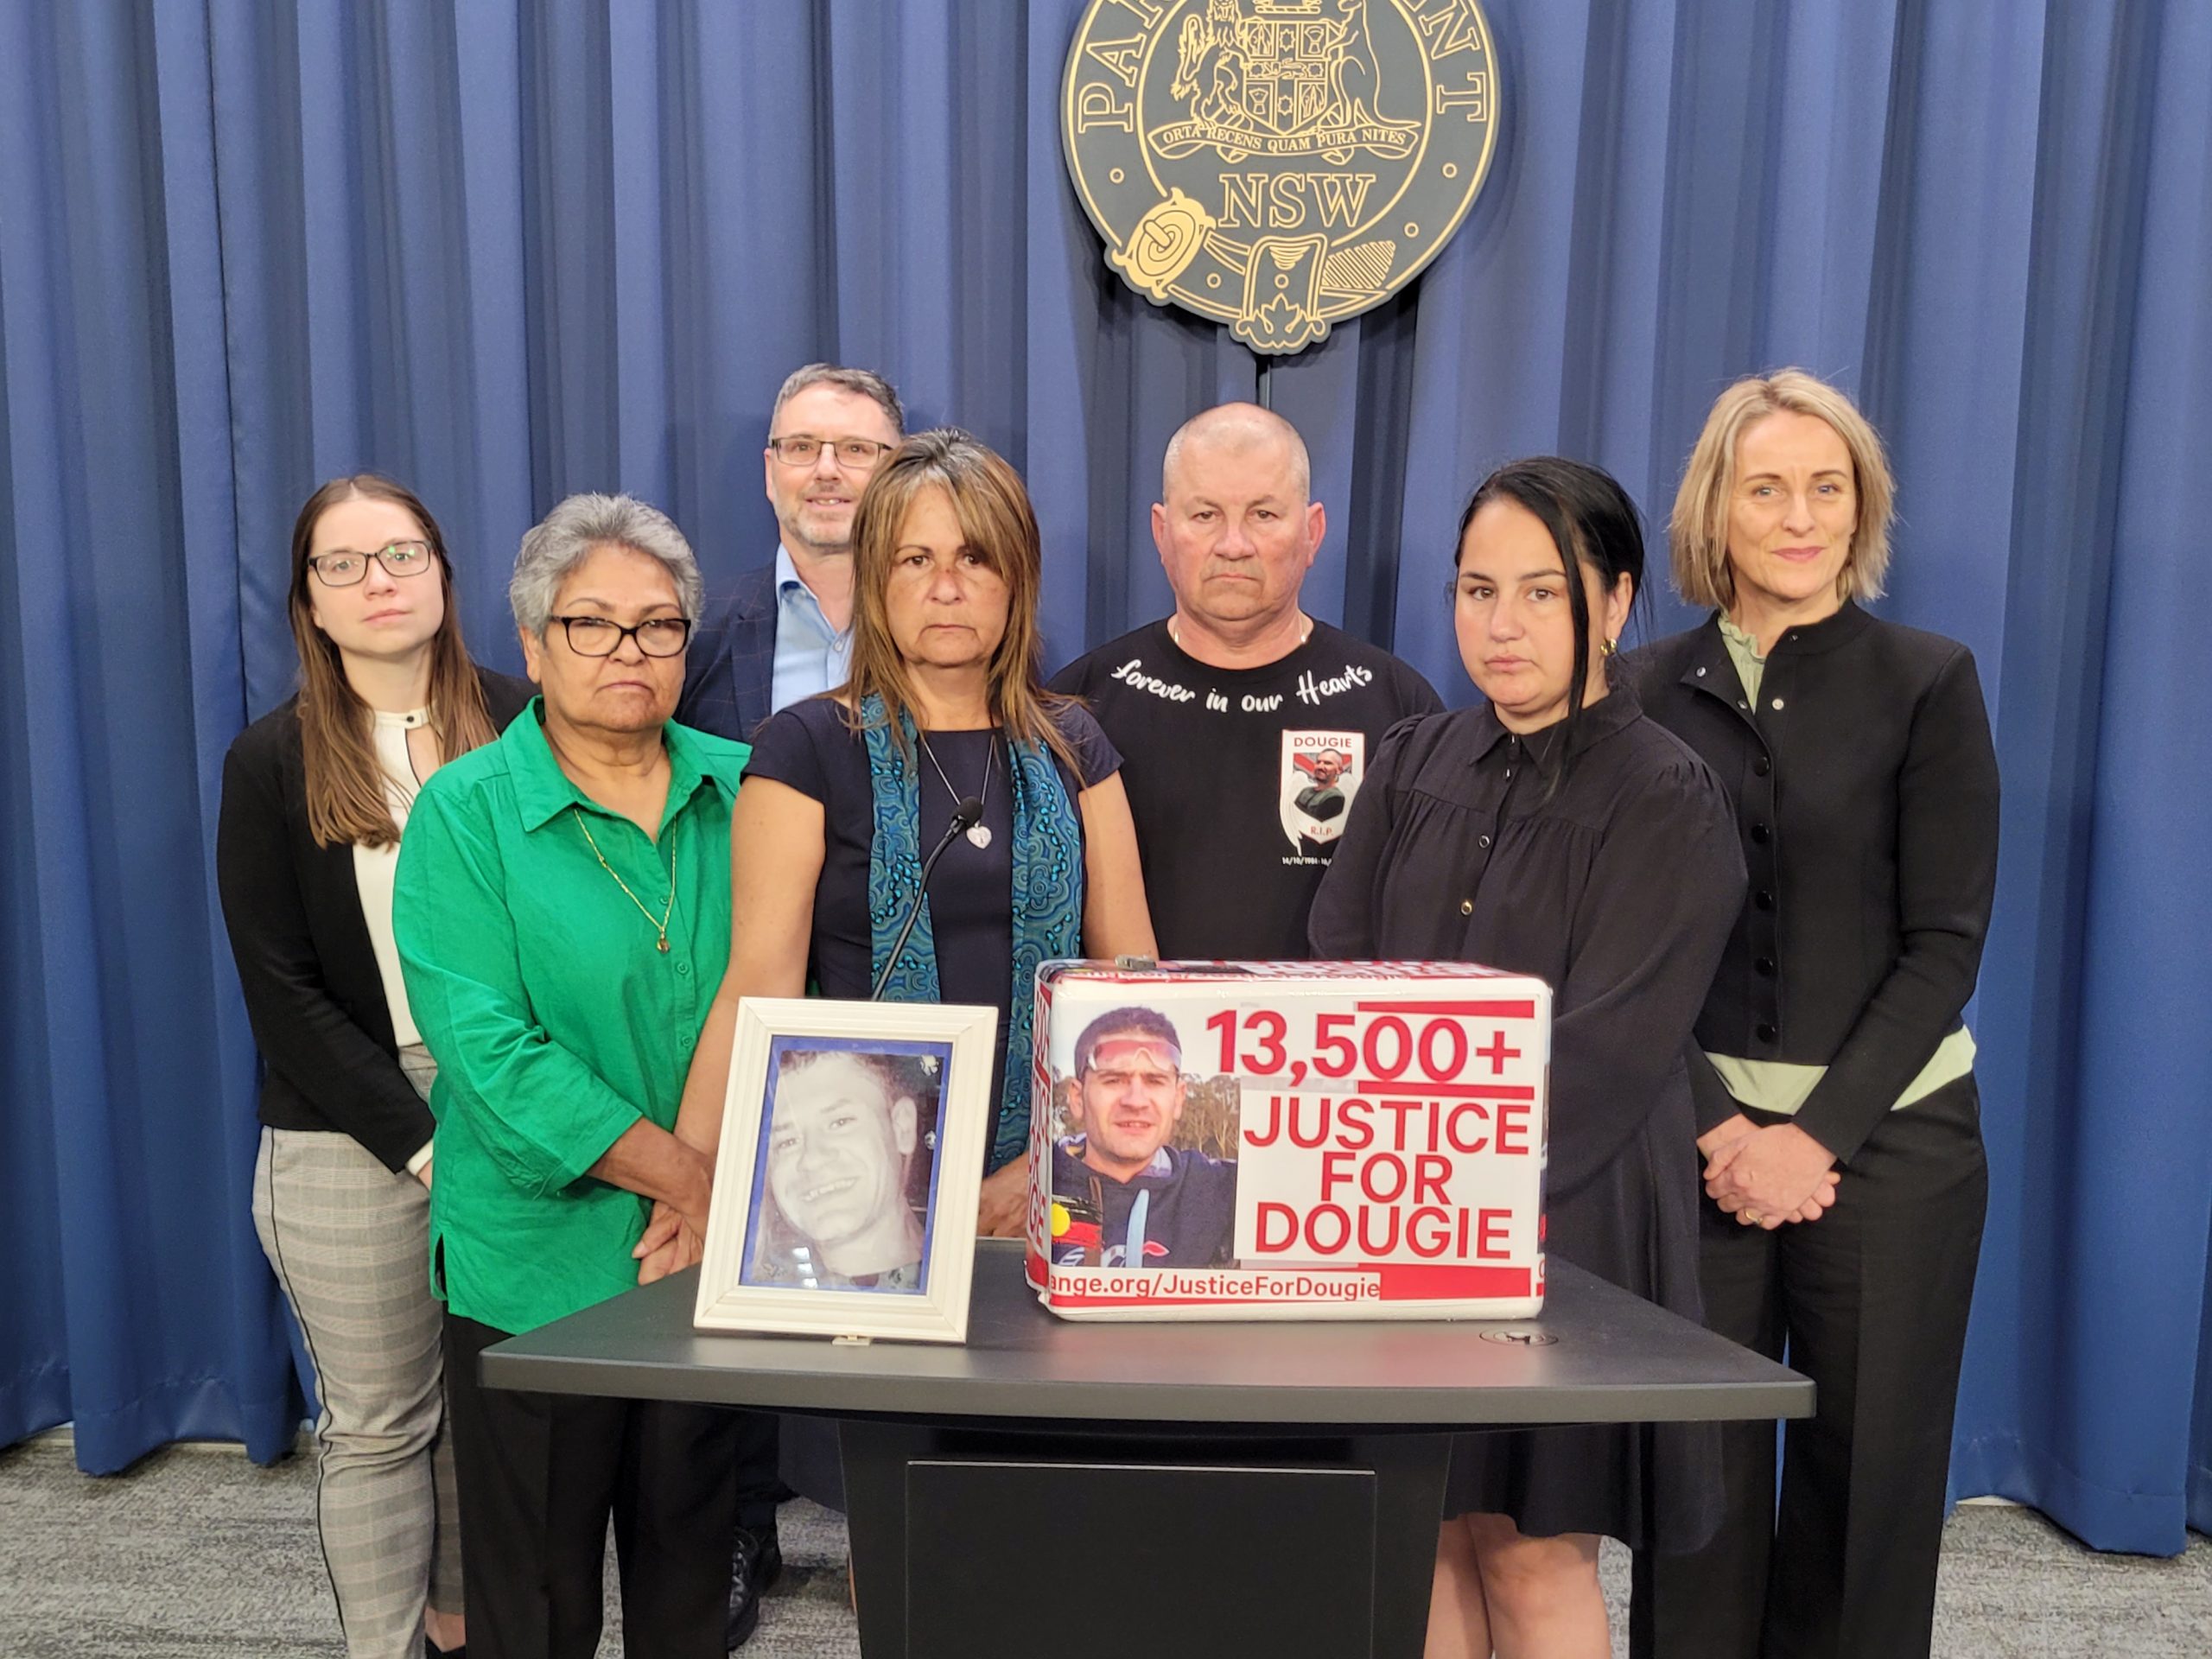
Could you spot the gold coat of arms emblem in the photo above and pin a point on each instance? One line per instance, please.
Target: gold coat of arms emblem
(1277, 165)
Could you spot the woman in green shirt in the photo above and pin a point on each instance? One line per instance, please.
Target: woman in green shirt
(563, 912)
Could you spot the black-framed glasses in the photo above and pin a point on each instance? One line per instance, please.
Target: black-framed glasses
(854, 454)
(344, 570)
(600, 636)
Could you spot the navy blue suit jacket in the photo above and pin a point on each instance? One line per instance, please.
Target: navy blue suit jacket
(729, 675)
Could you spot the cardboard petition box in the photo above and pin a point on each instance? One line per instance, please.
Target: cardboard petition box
(1288, 1141)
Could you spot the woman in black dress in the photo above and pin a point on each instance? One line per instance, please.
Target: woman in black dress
(1555, 830)
(1857, 755)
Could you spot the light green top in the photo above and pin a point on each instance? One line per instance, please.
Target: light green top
(1779, 1085)
(1744, 651)
(555, 1020)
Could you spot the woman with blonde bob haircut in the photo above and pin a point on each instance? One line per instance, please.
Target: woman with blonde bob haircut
(1836, 1107)
(1698, 532)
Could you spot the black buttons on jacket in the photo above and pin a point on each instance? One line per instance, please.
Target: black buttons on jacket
(1762, 767)
(1765, 1034)
(1763, 967)
(1761, 835)
(1763, 900)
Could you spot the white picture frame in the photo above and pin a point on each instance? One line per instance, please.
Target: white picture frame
(844, 1198)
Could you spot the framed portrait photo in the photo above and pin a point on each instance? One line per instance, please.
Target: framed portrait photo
(851, 1163)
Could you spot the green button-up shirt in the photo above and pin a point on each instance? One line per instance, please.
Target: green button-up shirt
(555, 1020)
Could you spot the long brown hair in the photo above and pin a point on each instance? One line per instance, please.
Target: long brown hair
(346, 788)
(997, 521)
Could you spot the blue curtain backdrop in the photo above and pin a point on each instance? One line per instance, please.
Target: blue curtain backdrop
(506, 250)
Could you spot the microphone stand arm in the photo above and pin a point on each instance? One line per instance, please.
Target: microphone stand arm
(962, 820)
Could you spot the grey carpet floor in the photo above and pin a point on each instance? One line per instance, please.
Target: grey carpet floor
(197, 1552)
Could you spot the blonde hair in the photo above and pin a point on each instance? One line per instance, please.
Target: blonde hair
(995, 520)
(1697, 534)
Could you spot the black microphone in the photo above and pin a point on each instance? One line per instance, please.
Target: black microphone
(965, 816)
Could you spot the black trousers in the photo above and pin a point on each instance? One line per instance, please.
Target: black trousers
(539, 1474)
(1870, 1302)
(759, 1480)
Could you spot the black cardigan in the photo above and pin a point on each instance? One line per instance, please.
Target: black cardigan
(313, 991)
(1864, 787)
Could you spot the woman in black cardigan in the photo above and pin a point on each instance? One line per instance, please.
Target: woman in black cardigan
(1838, 1114)
(314, 798)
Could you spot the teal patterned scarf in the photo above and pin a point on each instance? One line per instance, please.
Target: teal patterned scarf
(1046, 898)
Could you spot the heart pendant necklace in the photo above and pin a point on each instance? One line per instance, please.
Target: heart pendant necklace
(979, 833)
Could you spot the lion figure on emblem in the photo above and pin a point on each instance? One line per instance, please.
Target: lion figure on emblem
(1204, 44)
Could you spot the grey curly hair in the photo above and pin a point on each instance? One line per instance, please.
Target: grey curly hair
(565, 537)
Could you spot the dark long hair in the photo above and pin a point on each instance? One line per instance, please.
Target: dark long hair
(1593, 524)
(345, 786)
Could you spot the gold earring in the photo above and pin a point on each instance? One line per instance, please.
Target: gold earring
(1609, 646)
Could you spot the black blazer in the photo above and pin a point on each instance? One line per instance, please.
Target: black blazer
(729, 673)
(313, 991)
(1864, 786)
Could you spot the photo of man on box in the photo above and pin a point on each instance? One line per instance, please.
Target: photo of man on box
(1121, 1196)
(843, 1152)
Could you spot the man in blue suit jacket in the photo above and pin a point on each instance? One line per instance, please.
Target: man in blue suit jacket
(784, 631)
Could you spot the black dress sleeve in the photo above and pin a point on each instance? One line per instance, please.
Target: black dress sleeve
(1710, 1100)
(788, 746)
(1947, 882)
(1098, 758)
(1341, 925)
(1653, 917)
(304, 1034)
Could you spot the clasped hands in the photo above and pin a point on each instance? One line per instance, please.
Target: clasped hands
(676, 1235)
(1765, 1177)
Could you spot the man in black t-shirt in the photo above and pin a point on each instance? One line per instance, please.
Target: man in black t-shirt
(1244, 725)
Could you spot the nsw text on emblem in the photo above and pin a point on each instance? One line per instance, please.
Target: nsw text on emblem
(1277, 165)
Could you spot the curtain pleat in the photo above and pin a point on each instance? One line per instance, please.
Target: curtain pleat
(510, 249)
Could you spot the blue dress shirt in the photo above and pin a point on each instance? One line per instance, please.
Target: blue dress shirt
(811, 656)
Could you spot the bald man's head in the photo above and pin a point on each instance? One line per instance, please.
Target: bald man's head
(1238, 529)
(1238, 429)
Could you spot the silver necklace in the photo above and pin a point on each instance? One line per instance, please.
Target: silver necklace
(979, 833)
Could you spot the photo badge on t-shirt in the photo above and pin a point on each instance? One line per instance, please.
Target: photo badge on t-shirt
(1321, 773)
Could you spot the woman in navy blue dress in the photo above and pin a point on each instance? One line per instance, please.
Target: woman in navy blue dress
(1553, 830)
(845, 794)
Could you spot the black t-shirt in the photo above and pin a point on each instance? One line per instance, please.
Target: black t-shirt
(1241, 780)
(810, 746)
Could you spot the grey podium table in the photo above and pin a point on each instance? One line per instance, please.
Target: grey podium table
(1066, 1491)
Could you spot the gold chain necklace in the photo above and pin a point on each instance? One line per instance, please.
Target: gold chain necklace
(666, 910)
